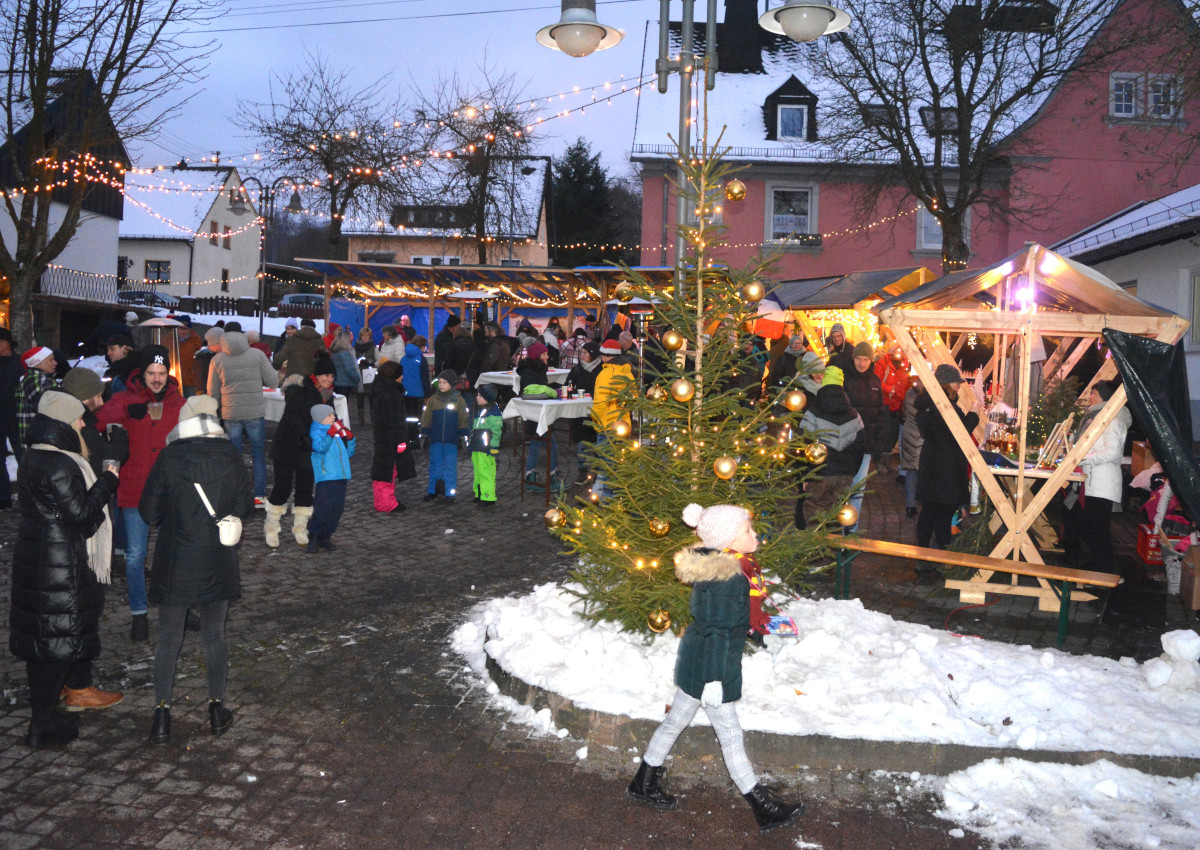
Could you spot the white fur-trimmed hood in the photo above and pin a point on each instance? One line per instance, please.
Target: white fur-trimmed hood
(699, 563)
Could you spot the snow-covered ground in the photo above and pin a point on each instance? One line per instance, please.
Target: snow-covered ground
(854, 673)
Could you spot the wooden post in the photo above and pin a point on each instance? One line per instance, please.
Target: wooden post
(432, 307)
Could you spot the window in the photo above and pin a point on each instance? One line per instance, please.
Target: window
(426, 260)
(224, 280)
(158, 271)
(225, 238)
(792, 213)
(791, 122)
(512, 262)
(212, 233)
(376, 256)
(1152, 96)
(929, 230)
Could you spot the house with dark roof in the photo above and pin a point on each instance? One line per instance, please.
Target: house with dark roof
(1083, 146)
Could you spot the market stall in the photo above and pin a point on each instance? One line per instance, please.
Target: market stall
(1032, 293)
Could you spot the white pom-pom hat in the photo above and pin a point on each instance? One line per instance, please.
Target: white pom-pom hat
(716, 526)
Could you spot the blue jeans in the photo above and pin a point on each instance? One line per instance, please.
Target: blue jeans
(910, 488)
(533, 455)
(137, 538)
(857, 499)
(600, 487)
(443, 465)
(256, 430)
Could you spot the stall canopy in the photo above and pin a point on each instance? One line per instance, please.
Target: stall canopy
(846, 291)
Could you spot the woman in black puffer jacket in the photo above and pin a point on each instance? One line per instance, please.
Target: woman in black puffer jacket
(191, 566)
(392, 461)
(57, 595)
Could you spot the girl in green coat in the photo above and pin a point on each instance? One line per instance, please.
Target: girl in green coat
(708, 670)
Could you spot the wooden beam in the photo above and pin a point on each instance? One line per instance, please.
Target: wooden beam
(1053, 324)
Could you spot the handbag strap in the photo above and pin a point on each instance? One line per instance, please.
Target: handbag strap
(204, 498)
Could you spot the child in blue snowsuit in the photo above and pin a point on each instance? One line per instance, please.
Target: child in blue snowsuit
(444, 421)
(332, 448)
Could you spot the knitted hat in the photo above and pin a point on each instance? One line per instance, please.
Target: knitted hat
(452, 321)
(864, 349)
(198, 404)
(449, 376)
(833, 377)
(61, 406)
(184, 320)
(323, 365)
(36, 355)
(592, 348)
(488, 393)
(796, 338)
(291, 323)
(610, 348)
(83, 383)
(1105, 389)
(535, 351)
(947, 374)
(212, 336)
(319, 412)
(837, 329)
(233, 327)
(152, 354)
(716, 526)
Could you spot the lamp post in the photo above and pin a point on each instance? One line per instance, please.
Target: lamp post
(578, 33)
(266, 203)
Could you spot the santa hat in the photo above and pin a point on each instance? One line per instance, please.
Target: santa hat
(610, 348)
(35, 355)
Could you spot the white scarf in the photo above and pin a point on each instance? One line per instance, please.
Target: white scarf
(99, 545)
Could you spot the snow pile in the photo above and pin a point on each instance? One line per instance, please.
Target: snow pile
(854, 673)
(1073, 807)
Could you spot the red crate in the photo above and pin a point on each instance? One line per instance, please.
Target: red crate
(1149, 546)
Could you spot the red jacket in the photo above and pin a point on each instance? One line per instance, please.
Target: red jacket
(147, 437)
(895, 382)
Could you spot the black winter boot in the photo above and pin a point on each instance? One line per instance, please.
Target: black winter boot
(219, 717)
(55, 731)
(646, 786)
(769, 810)
(160, 727)
(139, 631)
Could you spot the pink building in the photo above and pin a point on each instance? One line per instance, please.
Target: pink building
(1095, 145)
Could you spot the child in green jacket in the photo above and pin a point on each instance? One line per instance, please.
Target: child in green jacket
(485, 445)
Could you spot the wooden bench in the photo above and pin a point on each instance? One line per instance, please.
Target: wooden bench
(1061, 579)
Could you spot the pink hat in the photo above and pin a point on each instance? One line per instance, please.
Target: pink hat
(35, 355)
(535, 351)
(610, 348)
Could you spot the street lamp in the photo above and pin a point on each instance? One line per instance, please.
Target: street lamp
(266, 202)
(578, 33)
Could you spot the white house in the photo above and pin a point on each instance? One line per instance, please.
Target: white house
(182, 235)
(1152, 250)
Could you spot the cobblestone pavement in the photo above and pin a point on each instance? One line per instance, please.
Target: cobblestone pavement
(356, 726)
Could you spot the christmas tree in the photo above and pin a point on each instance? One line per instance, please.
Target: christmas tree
(700, 428)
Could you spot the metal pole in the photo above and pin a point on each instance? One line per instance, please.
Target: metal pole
(267, 199)
(687, 63)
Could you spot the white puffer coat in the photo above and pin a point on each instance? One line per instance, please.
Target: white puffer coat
(1102, 463)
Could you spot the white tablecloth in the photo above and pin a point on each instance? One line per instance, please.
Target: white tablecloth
(511, 379)
(545, 411)
(275, 405)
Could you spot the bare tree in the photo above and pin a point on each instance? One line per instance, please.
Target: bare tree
(353, 147)
(477, 135)
(929, 90)
(82, 77)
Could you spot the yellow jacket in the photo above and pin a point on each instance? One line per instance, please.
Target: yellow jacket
(610, 381)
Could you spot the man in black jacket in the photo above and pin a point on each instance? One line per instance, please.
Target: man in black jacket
(866, 396)
(443, 345)
(10, 376)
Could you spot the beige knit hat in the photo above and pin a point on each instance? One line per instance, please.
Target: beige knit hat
(197, 405)
(60, 405)
(718, 525)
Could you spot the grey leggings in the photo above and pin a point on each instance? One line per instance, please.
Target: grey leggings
(171, 619)
(725, 724)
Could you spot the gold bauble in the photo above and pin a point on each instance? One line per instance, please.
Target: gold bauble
(795, 400)
(754, 291)
(555, 518)
(672, 340)
(656, 393)
(682, 389)
(735, 190)
(724, 468)
(816, 453)
(658, 621)
(622, 429)
(847, 516)
(624, 292)
(660, 527)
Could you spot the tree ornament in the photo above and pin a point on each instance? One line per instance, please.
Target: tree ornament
(656, 393)
(735, 190)
(682, 390)
(658, 621)
(847, 516)
(660, 527)
(622, 429)
(624, 292)
(816, 452)
(724, 468)
(754, 291)
(555, 518)
(672, 340)
(795, 400)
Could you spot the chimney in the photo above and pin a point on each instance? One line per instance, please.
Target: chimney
(740, 38)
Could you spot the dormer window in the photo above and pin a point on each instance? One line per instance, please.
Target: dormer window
(792, 122)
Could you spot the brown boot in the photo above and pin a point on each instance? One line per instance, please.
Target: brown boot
(89, 699)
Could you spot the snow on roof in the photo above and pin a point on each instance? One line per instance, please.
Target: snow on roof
(1143, 219)
(158, 206)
